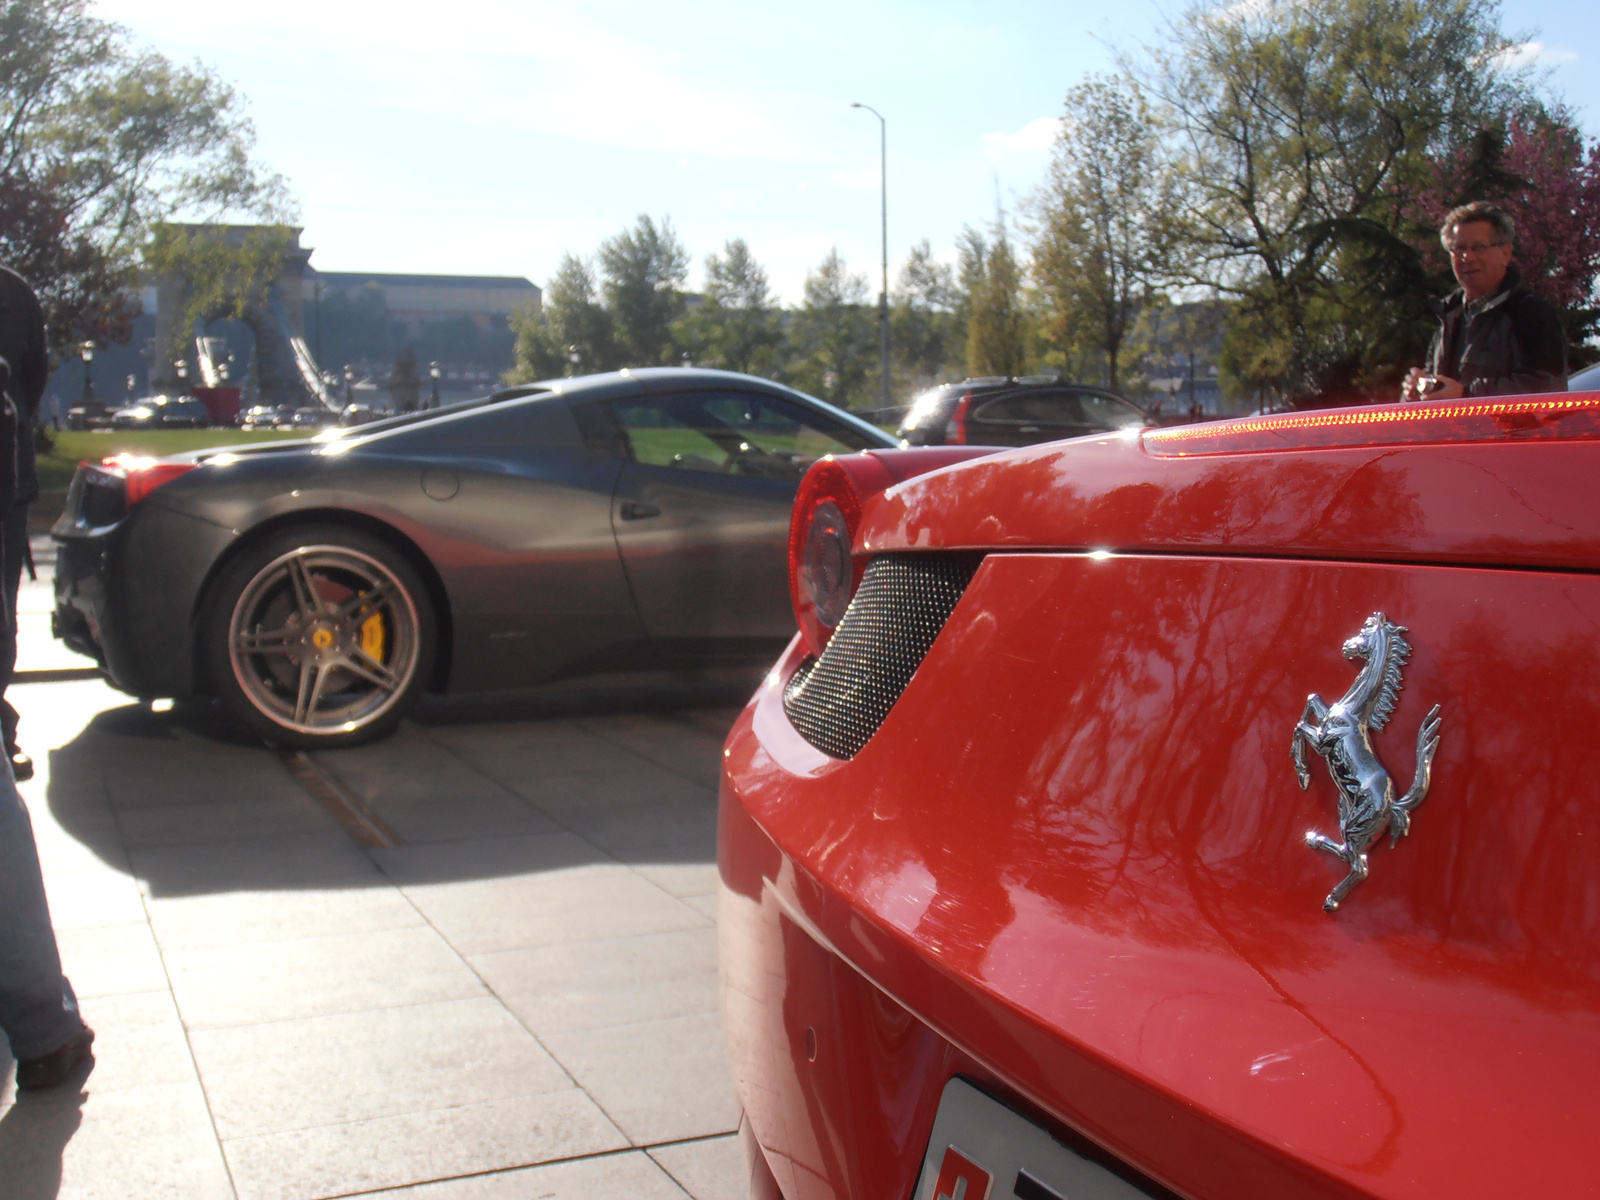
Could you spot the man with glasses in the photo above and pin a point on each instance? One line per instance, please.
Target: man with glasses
(1495, 337)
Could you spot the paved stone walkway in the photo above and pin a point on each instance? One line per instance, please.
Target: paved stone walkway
(502, 985)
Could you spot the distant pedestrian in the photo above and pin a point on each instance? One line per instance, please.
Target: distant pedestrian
(38, 1010)
(23, 346)
(1496, 338)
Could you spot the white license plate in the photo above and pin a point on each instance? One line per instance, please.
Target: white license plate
(982, 1150)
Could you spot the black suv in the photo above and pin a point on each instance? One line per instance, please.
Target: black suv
(997, 411)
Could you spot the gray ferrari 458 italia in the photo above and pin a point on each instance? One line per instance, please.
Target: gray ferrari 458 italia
(317, 587)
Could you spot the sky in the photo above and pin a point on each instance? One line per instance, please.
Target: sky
(487, 137)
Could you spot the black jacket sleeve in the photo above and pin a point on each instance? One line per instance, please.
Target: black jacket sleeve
(1540, 355)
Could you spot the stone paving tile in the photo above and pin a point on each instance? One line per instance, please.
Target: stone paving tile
(104, 960)
(460, 818)
(668, 831)
(631, 1174)
(591, 985)
(706, 906)
(403, 769)
(708, 1169)
(317, 861)
(335, 1160)
(640, 787)
(680, 746)
(99, 896)
(238, 820)
(684, 880)
(148, 1142)
(285, 1075)
(194, 785)
(577, 904)
(312, 977)
(234, 918)
(660, 1081)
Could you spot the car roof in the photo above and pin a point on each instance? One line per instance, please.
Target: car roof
(612, 384)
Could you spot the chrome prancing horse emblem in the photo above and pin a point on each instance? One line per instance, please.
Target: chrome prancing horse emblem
(1341, 733)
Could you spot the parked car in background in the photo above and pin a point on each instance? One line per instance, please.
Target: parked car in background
(162, 412)
(313, 417)
(265, 416)
(999, 411)
(317, 587)
(1586, 380)
(357, 414)
(1041, 876)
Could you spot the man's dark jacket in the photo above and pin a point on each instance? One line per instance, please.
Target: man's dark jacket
(22, 344)
(1513, 345)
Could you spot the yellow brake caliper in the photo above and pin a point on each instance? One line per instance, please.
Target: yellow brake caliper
(372, 637)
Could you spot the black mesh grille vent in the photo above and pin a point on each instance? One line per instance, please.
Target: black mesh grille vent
(838, 701)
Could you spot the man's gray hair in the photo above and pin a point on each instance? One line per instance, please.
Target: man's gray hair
(1479, 210)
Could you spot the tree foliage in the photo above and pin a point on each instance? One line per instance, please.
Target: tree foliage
(835, 335)
(996, 324)
(924, 323)
(111, 140)
(735, 326)
(642, 276)
(1106, 219)
(1299, 126)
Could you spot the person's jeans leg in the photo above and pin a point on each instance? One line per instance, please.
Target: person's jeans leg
(13, 544)
(38, 1010)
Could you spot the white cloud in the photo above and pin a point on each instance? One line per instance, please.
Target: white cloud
(1038, 134)
(1533, 54)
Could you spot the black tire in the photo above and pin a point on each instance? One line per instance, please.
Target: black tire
(319, 636)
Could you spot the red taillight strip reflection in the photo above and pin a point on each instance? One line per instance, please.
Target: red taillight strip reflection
(1389, 425)
(144, 475)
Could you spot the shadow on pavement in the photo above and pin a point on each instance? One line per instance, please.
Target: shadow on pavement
(34, 1134)
(615, 770)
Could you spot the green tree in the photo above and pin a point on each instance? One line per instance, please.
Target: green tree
(1105, 219)
(835, 335)
(569, 334)
(997, 327)
(924, 318)
(736, 326)
(642, 274)
(119, 139)
(1299, 130)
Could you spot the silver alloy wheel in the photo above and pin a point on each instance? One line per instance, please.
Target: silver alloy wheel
(324, 640)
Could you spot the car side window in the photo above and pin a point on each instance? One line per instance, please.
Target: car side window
(730, 433)
(1032, 408)
(1104, 412)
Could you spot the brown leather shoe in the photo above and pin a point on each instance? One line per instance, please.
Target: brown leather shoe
(55, 1068)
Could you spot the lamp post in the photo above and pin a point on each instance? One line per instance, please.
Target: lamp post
(182, 368)
(86, 351)
(883, 296)
(433, 374)
(574, 356)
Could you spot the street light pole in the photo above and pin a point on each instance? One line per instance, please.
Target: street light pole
(883, 296)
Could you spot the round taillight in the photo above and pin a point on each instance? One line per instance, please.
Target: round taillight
(823, 572)
(825, 567)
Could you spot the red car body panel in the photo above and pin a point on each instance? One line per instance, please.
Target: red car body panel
(1070, 865)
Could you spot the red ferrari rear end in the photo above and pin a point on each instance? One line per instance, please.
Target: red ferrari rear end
(1207, 811)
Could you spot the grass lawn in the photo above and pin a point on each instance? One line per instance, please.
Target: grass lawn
(57, 465)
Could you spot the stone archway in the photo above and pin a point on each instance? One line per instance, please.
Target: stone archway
(283, 367)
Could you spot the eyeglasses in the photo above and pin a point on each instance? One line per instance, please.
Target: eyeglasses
(1477, 249)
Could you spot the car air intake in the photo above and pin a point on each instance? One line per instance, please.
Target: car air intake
(838, 701)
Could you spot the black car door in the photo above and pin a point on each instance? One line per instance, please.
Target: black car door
(701, 509)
